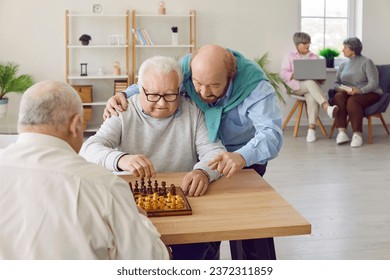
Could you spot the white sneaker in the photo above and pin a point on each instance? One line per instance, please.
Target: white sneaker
(332, 111)
(357, 141)
(311, 135)
(342, 137)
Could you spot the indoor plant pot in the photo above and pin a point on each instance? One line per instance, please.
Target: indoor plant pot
(10, 82)
(329, 54)
(3, 107)
(84, 39)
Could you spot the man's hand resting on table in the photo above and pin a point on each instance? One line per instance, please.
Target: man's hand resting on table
(138, 165)
(195, 183)
(227, 163)
(116, 103)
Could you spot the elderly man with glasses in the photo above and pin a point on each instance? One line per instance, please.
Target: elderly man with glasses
(161, 132)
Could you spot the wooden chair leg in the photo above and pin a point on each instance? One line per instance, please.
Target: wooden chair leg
(290, 115)
(332, 129)
(384, 123)
(319, 122)
(369, 129)
(297, 121)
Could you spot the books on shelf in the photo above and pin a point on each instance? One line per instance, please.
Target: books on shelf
(120, 86)
(144, 37)
(148, 37)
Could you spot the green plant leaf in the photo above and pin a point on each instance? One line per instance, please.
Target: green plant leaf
(10, 82)
(329, 53)
(274, 78)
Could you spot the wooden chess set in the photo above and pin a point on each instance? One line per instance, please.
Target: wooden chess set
(159, 200)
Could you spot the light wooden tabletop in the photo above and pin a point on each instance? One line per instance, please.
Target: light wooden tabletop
(242, 207)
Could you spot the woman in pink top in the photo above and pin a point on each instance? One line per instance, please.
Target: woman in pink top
(310, 89)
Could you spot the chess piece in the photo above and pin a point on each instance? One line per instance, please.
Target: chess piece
(136, 189)
(131, 186)
(144, 191)
(155, 186)
(164, 189)
(173, 189)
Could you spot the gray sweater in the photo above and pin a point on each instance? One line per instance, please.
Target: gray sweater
(178, 143)
(360, 72)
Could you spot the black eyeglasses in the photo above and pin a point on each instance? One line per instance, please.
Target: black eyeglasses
(155, 97)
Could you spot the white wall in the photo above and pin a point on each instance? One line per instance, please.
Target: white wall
(32, 33)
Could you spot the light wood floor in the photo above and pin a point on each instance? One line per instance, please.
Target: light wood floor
(344, 192)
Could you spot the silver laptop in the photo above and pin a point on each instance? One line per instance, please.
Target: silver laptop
(309, 69)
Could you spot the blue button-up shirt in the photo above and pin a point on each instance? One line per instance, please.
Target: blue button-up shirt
(253, 128)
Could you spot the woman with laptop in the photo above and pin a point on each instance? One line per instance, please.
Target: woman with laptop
(310, 88)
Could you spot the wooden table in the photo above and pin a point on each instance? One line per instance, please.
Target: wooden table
(242, 207)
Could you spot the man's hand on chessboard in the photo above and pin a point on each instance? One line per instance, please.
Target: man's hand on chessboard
(195, 183)
(138, 165)
(227, 163)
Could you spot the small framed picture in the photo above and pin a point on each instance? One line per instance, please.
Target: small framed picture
(116, 39)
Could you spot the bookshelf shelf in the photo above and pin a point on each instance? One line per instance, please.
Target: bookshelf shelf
(110, 44)
(161, 23)
(96, 77)
(96, 46)
(166, 46)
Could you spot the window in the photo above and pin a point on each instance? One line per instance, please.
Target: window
(328, 22)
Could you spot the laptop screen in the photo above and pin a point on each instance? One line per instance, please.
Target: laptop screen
(309, 69)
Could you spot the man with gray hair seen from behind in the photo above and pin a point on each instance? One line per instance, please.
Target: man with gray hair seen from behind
(56, 205)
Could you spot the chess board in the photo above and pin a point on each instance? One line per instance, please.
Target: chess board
(160, 200)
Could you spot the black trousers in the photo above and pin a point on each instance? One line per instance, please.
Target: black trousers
(252, 249)
(195, 251)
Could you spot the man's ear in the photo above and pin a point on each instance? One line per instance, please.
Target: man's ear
(75, 125)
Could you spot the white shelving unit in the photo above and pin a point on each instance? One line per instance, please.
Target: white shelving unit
(158, 27)
(99, 54)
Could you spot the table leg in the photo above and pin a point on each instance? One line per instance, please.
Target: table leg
(260, 249)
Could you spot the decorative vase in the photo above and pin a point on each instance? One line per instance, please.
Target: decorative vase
(175, 38)
(329, 63)
(3, 107)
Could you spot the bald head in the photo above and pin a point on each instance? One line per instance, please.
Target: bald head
(215, 58)
(212, 68)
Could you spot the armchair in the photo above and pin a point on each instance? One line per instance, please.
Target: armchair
(376, 109)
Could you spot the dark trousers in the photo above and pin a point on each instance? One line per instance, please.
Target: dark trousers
(353, 106)
(195, 251)
(252, 249)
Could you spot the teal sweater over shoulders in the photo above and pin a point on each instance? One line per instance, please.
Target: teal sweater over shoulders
(247, 77)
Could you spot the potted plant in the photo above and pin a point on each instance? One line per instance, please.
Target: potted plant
(274, 78)
(10, 82)
(329, 54)
(84, 39)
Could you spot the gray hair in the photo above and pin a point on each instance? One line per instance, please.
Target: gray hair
(49, 103)
(161, 64)
(354, 44)
(301, 37)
